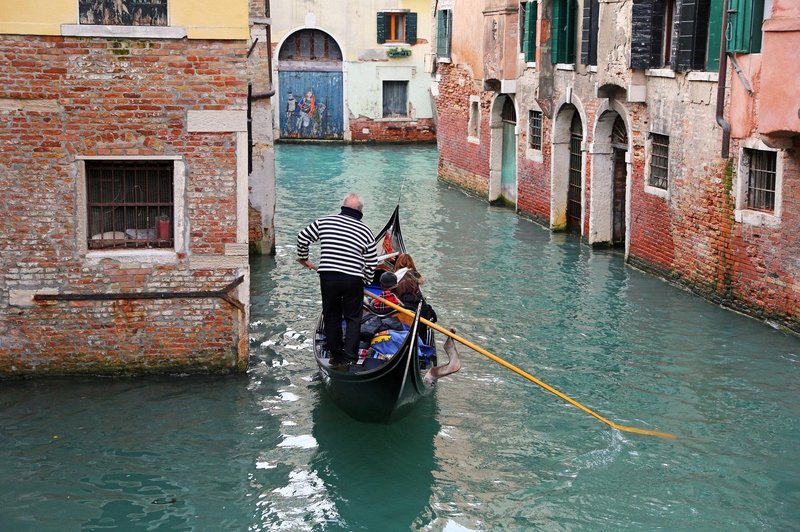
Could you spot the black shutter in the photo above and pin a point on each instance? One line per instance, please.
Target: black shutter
(701, 34)
(656, 31)
(381, 28)
(684, 59)
(411, 28)
(586, 33)
(641, 33)
(591, 14)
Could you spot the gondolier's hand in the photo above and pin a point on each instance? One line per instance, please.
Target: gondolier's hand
(307, 263)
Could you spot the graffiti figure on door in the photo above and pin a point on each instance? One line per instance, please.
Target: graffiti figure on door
(306, 117)
(307, 106)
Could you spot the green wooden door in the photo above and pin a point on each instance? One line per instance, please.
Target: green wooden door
(508, 174)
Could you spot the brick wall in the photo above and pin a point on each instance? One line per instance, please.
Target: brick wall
(62, 98)
(364, 129)
(462, 163)
(689, 236)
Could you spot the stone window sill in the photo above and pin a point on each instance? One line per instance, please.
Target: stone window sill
(655, 191)
(532, 154)
(660, 73)
(703, 76)
(130, 32)
(144, 256)
(757, 218)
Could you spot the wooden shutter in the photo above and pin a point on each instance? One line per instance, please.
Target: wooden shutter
(685, 58)
(556, 41)
(411, 28)
(714, 36)
(381, 27)
(570, 31)
(563, 46)
(642, 33)
(744, 20)
(591, 12)
(529, 39)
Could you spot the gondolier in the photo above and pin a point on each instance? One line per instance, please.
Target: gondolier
(347, 263)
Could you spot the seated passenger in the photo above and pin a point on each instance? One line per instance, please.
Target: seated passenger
(410, 295)
(388, 283)
(404, 261)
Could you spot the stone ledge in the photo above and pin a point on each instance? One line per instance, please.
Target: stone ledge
(24, 297)
(216, 121)
(217, 262)
(133, 32)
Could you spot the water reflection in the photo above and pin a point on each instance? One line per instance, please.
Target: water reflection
(377, 475)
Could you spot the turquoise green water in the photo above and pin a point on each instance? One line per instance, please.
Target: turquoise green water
(269, 451)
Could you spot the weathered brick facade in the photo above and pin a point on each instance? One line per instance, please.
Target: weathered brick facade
(363, 129)
(690, 232)
(66, 100)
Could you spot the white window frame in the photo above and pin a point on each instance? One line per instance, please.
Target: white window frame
(741, 213)
(145, 255)
(532, 154)
(474, 123)
(648, 188)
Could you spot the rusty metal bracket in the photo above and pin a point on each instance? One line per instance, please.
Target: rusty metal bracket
(206, 294)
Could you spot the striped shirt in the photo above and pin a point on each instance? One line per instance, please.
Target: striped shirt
(347, 245)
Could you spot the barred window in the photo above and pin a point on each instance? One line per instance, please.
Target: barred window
(129, 204)
(659, 161)
(123, 12)
(535, 129)
(761, 173)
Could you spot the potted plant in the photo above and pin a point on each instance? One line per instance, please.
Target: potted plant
(162, 227)
(398, 52)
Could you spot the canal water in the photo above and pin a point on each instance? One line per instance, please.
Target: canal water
(490, 450)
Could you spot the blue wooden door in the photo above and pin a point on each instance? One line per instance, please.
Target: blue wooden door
(311, 105)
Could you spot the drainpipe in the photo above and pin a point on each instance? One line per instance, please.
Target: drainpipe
(723, 75)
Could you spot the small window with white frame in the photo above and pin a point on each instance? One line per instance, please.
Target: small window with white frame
(535, 129)
(474, 125)
(759, 184)
(760, 167)
(659, 161)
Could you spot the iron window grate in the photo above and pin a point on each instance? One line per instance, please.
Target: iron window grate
(129, 204)
(659, 161)
(123, 12)
(535, 130)
(761, 179)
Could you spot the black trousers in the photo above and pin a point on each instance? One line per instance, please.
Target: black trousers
(342, 296)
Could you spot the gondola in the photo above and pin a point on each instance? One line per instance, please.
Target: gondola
(384, 390)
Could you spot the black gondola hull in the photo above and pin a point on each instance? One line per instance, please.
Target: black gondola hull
(387, 392)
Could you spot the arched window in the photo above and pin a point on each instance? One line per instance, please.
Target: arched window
(310, 45)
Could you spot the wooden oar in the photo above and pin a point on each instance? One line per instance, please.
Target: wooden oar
(522, 373)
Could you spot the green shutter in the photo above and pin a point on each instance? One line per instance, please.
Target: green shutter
(411, 28)
(714, 36)
(555, 31)
(529, 40)
(744, 22)
(563, 45)
(569, 30)
(381, 28)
